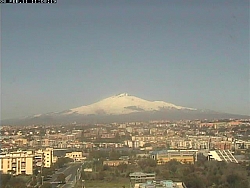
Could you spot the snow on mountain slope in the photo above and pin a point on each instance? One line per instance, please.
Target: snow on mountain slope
(123, 104)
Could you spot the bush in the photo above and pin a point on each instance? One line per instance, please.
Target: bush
(46, 185)
(61, 178)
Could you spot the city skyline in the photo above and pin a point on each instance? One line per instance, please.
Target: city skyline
(69, 54)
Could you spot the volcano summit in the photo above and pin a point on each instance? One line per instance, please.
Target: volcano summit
(123, 104)
(123, 108)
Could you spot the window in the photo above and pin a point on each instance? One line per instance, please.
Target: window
(8, 164)
(23, 165)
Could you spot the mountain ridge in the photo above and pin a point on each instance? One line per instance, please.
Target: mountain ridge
(123, 104)
(123, 108)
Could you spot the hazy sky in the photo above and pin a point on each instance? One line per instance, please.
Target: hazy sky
(192, 53)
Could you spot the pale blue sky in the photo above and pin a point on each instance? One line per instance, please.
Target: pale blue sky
(193, 53)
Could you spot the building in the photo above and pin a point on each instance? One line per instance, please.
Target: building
(222, 155)
(75, 155)
(222, 145)
(147, 180)
(115, 162)
(241, 144)
(183, 156)
(20, 162)
(137, 178)
(44, 157)
(21, 142)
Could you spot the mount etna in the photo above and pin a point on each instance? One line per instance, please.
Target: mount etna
(123, 108)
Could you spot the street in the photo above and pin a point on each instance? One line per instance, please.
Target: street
(70, 173)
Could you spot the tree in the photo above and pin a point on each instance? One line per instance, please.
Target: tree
(61, 178)
(62, 161)
(192, 181)
(101, 175)
(233, 180)
(122, 167)
(16, 182)
(46, 185)
(105, 167)
(147, 163)
(98, 154)
(33, 181)
(114, 155)
(46, 172)
(173, 166)
(5, 179)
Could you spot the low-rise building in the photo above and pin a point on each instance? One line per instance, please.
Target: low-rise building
(115, 162)
(75, 155)
(222, 155)
(183, 156)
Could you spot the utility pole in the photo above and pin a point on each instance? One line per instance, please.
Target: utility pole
(82, 183)
(42, 179)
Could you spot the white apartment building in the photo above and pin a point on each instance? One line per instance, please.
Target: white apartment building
(20, 162)
(134, 143)
(44, 157)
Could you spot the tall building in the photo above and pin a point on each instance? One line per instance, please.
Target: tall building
(44, 157)
(20, 162)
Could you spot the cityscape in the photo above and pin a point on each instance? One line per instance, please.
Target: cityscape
(125, 94)
(90, 155)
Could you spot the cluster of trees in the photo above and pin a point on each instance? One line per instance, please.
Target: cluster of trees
(202, 174)
(107, 173)
(9, 181)
(112, 154)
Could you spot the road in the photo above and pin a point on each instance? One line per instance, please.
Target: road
(70, 173)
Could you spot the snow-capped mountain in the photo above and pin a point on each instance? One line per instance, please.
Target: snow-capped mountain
(122, 108)
(124, 104)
